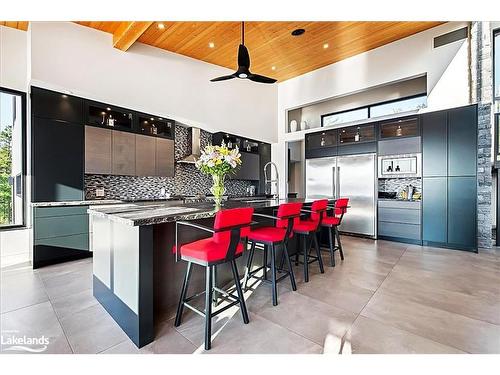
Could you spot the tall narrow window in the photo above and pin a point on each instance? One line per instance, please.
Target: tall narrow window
(12, 158)
(496, 59)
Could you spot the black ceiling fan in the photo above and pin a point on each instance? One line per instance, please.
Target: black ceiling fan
(243, 71)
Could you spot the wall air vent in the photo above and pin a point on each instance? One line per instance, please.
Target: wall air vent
(450, 37)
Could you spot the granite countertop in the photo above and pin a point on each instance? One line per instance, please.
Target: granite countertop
(77, 203)
(149, 213)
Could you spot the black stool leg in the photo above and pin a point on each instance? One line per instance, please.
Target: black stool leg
(208, 308)
(273, 275)
(243, 306)
(318, 253)
(290, 269)
(337, 234)
(185, 284)
(297, 250)
(265, 261)
(332, 246)
(215, 294)
(306, 260)
(249, 266)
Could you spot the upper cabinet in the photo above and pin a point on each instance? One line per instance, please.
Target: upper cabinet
(156, 126)
(145, 155)
(56, 106)
(434, 144)
(321, 144)
(123, 154)
(462, 141)
(404, 127)
(165, 157)
(97, 150)
(105, 115)
(357, 134)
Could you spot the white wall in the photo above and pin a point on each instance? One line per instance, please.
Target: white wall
(66, 56)
(446, 69)
(13, 58)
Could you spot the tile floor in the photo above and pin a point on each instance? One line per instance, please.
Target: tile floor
(385, 297)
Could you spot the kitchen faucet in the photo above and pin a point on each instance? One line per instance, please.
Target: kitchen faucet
(270, 181)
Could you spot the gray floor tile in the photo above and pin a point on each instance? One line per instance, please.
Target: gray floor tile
(451, 329)
(73, 303)
(260, 336)
(92, 330)
(20, 289)
(35, 321)
(368, 336)
(169, 341)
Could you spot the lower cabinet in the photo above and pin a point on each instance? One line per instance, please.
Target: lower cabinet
(449, 212)
(462, 197)
(400, 220)
(60, 234)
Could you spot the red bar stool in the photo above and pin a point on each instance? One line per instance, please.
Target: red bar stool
(271, 237)
(308, 229)
(224, 246)
(332, 223)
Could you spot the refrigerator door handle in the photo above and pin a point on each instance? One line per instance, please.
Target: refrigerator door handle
(337, 189)
(334, 186)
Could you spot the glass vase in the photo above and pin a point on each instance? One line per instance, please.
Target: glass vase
(218, 188)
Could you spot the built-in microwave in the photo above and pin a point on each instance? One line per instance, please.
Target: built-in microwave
(400, 166)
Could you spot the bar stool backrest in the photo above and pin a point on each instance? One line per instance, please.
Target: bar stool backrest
(317, 208)
(285, 210)
(234, 217)
(341, 206)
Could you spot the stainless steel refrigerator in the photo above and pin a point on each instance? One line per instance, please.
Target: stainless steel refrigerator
(352, 177)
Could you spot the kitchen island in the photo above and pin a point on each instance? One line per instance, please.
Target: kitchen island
(135, 274)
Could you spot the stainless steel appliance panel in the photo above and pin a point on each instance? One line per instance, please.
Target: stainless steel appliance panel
(356, 176)
(320, 178)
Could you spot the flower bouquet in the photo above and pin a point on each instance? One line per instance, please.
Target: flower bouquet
(218, 161)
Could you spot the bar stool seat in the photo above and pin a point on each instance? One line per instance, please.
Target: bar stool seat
(207, 251)
(267, 234)
(305, 226)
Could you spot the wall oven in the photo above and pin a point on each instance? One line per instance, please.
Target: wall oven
(400, 166)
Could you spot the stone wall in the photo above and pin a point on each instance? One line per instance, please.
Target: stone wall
(482, 93)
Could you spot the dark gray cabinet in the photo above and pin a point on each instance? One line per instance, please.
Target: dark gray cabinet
(97, 150)
(435, 209)
(165, 157)
(434, 144)
(60, 234)
(249, 169)
(462, 212)
(57, 106)
(57, 160)
(462, 141)
(264, 158)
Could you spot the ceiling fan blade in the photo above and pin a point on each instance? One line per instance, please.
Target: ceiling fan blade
(260, 79)
(243, 56)
(223, 78)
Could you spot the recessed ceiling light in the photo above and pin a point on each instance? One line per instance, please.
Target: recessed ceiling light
(108, 109)
(273, 67)
(325, 46)
(298, 32)
(211, 44)
(161, 26)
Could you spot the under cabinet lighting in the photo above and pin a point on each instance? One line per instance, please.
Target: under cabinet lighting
(64, 96)
(108, 109)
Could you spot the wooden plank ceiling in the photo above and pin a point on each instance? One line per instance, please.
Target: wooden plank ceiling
(21, 25)
(274, 52)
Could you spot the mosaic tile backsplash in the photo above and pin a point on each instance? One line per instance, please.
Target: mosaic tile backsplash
(186, 181)
(399, 184)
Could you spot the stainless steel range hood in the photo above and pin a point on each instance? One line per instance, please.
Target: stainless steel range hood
(194, 138)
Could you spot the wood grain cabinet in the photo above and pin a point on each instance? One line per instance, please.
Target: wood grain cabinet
(98, 150)
(145, 155)
(164, 157)
(123, 153)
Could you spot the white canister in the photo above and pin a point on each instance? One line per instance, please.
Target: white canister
(303, 125)
(293, 125)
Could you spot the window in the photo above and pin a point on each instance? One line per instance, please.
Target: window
(12, 157)
(398, 106)
(496, 62)
(346, 116)
(375, 110)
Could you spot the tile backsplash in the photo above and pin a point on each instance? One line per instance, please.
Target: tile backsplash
(399, 184)
(186, 181)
